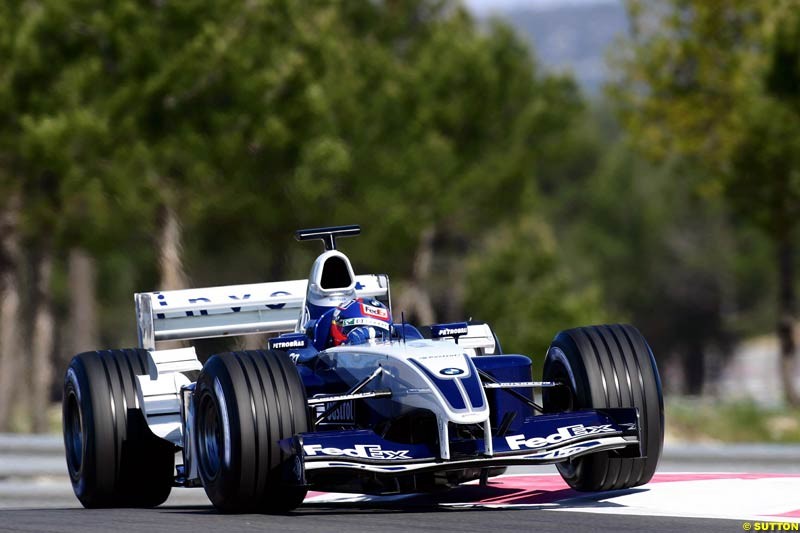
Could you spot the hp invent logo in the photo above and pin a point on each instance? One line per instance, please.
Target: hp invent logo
(451, 372)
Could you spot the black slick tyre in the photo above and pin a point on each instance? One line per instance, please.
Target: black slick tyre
(113, 458)
(607, 366)
(245, 403)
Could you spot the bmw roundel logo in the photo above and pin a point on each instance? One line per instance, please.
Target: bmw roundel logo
(451, 371)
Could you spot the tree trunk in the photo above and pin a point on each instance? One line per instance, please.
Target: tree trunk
(693, 368)
(170, 253)
(414, 299)
(414, 305)
(253, 342)
(42, 344)
(82, 303)
(787, 303)
(10, 353)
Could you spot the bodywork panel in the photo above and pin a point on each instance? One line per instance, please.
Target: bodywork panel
(540, 439)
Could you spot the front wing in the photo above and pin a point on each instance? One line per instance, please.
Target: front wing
(543, 439)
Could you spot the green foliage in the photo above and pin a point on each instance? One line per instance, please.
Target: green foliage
(682, 72)
(661, 256)
(519, 283)
(714, 83)
(765, 183)
(710, 88)
(253, 118)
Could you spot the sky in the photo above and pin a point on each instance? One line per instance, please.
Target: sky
(487, 6)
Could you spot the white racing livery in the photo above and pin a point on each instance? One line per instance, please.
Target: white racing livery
(384, 407)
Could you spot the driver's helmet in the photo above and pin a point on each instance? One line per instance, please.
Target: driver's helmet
(358, 321)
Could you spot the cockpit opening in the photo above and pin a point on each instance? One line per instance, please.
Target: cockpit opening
(335, 274)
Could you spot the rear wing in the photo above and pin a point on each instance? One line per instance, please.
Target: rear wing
(232, 310)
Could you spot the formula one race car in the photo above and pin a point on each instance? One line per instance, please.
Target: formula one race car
(345, 399)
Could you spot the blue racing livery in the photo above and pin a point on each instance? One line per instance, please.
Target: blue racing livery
(344, 397)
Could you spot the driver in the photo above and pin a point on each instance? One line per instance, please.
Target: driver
(357, 322)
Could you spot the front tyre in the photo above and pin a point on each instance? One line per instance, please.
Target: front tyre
(607, 366)
(245, 403)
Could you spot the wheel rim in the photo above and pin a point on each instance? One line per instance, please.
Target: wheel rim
(558, 399)
(562, 399)
(209, 433)
(73, 428)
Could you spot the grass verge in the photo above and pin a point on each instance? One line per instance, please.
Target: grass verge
(708, 420)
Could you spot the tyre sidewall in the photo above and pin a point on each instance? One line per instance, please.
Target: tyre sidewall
(215, 385)
(564, 356)
(94, 482)
(587, 385)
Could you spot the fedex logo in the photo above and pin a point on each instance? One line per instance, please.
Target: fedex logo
(363, 451)
(517, 442)
(383, 314)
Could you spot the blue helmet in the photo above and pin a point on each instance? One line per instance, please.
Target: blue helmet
(360, 314)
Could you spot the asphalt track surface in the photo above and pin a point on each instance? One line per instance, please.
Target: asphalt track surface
(693, 491)
(515, 503)
(347, 518)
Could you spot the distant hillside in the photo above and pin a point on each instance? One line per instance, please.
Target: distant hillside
(571, 37)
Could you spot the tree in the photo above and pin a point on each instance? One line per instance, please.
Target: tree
(716, 84)
(661, 256)
(44, 127)
(200, 135)
(520, 283)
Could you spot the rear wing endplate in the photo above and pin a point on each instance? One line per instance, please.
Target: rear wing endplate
(274, 307)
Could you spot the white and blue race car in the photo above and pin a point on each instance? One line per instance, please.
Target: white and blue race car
(383, 408)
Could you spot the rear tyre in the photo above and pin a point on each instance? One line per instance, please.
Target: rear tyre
(113, 458)
(245, 403)
(607, 366)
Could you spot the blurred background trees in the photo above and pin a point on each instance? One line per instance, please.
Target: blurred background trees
(155, 145)
(716, 85)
